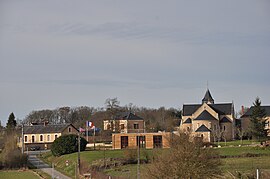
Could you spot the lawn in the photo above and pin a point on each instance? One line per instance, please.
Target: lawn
(232, 163)
(237, 143)
(244, 150)
(18, 174)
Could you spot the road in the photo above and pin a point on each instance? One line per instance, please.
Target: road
(32, 158)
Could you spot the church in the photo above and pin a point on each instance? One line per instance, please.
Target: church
(209, 120)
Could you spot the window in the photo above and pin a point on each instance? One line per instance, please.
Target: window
(157, 141)
(124, 142)
(33, 139)
(122, 126)
(25, 138)
(108, 126)
(55, 137)
(136, 126)
(69, 129)
(41, 138)
(188, 129)
(224, 128)
(48, 138)
(141, 141)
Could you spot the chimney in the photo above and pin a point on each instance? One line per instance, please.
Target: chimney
(243, 110)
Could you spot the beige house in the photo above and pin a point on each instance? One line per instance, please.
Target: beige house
(42, 136)
(209, 120)
(126, 122)
(143, 140)
(245, 119)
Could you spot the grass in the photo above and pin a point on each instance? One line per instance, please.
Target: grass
(237, 143)
(238, 151)
(11, 174)
(245, 164)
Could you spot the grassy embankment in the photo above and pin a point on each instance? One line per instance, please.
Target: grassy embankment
(244, 159)
(11, 174)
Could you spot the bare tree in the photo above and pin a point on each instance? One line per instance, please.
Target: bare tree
(185, 159)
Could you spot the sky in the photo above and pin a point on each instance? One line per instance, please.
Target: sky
(150, 53)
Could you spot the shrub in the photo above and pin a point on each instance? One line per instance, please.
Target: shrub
(67, 144)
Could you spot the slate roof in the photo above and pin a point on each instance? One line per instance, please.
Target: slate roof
(205, 115)
(249, 112)
(221, 108)
(127, 116)
(42, 129)
(189, 109)
(203, 128)
(224, 120)
(188, 121)
(208, 97)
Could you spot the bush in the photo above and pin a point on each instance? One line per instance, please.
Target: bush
(67, 144)
(14, 159)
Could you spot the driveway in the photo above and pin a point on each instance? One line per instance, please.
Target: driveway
(32, 158)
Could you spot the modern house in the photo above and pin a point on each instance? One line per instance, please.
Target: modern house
(125, 122)
(142, 140)
(245, 119)
(42, 136)
(208, 120)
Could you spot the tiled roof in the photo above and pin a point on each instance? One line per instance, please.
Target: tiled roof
(188, 121)
(224, 120)
(249, 112)
(203, 128)
(42, 129)
(223, 108)
(127, 116)
(189, 109)
(205, 115)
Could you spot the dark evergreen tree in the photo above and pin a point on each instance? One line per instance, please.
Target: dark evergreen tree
(257, 121)
(11, 124)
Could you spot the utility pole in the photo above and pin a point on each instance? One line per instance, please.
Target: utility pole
(79, 150)
(22, 139)
(138, 159)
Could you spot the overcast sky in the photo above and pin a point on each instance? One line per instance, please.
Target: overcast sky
(150, 53)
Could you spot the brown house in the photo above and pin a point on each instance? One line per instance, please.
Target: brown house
(42, 136)
(126, 122)
(143, 140)
(245, 119)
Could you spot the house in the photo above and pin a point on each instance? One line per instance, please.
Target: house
(125, 122)
(143, 140)
(43, 135)
(209, 120)
(245, 119)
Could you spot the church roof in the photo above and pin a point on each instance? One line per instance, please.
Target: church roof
(205, 115)
(224, 120)
(208, 97)
(222, 108)
(188, 121)
(203, 128)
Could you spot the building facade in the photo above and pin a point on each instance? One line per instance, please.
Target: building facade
(143, 140)
(42, 136)
(126, 122)
(209, 120)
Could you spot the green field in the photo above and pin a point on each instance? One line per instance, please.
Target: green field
(18, 174)
(237, 160)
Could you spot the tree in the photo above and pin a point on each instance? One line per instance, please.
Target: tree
(257, 121)
(11, 124)
(186, 158)
(67, 144)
